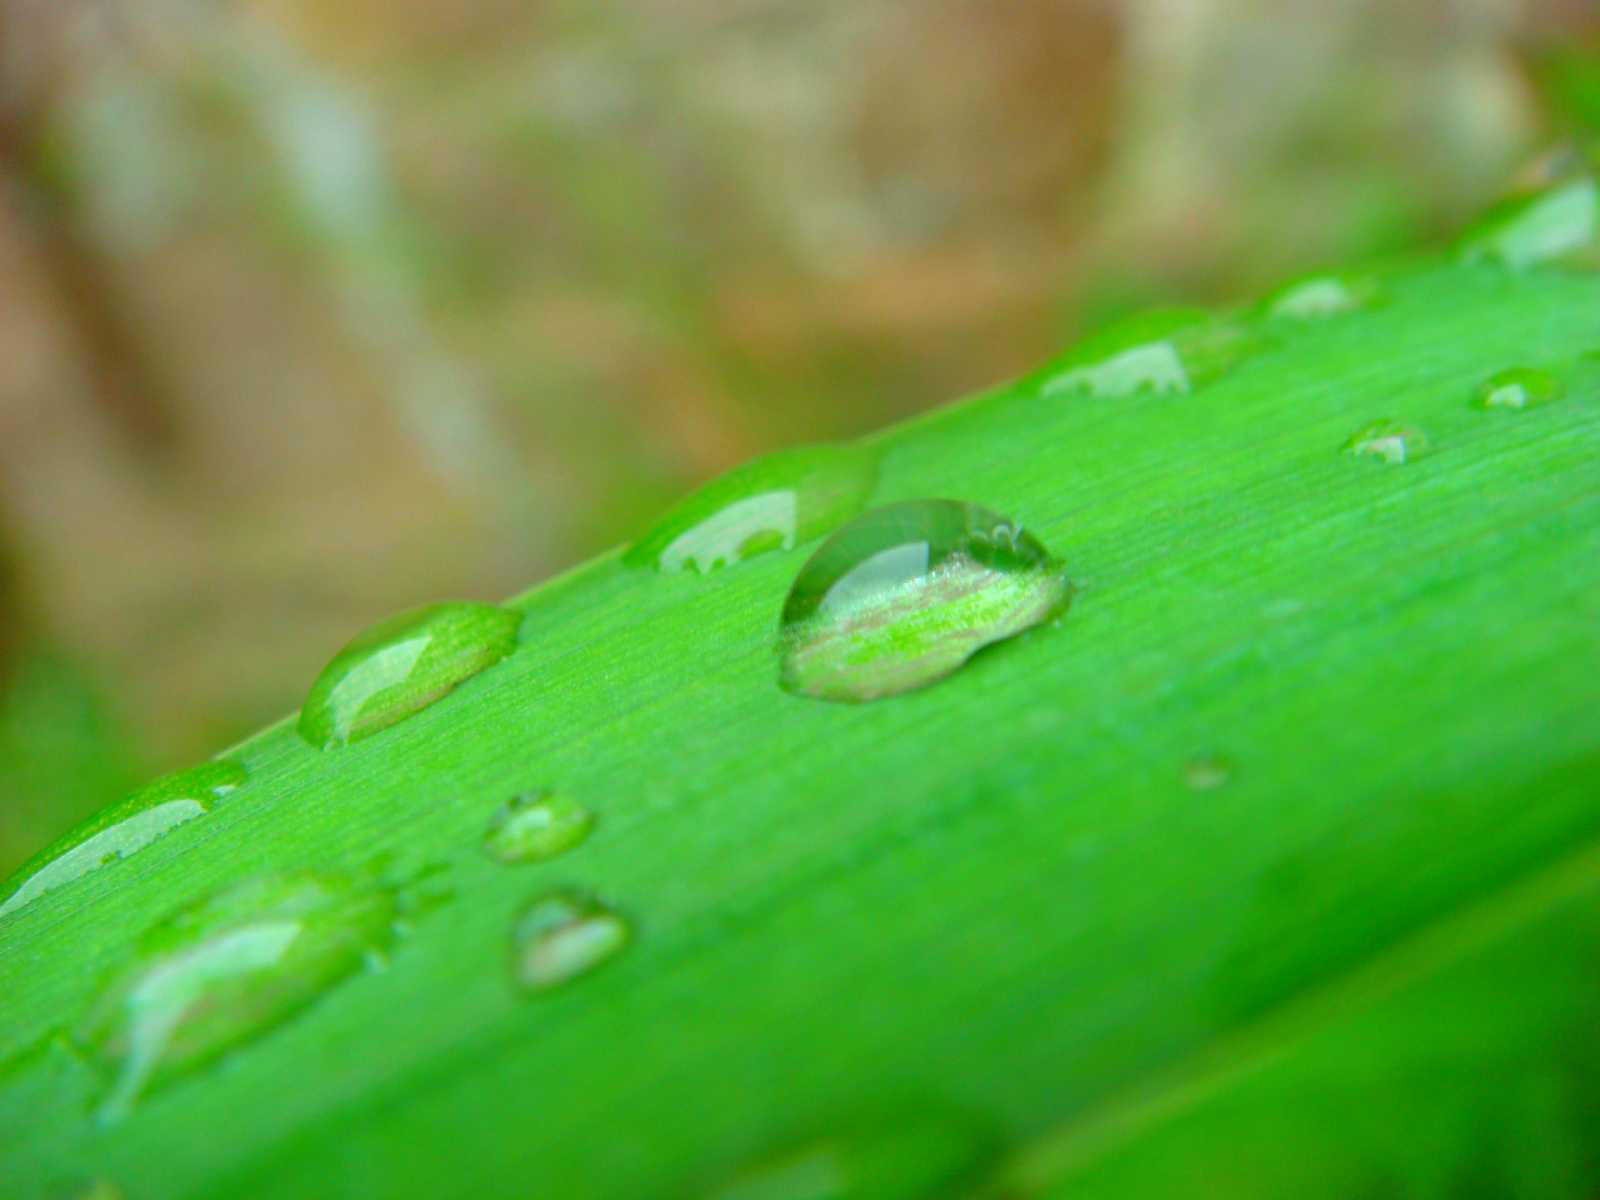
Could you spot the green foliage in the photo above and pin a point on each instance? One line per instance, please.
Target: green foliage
(1268, 869)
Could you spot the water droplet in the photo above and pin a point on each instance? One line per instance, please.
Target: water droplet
(124, 828)
(1207, 773)
(536, 826)
(563, 935)
(890, 1162)
(1162, 351)
(401, 666)
(1318, 297)
(1520, 387)
(1388, 441)
(1538, 227)
(98, 1189)
(226, 970)
(905, 594)
(774, 503)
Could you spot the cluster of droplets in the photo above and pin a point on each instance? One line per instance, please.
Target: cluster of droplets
(896, 598)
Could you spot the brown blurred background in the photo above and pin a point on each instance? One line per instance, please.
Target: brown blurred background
(311, 310)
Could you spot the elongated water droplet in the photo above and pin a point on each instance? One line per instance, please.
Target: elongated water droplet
(124, 828)
(225, 971)
(905, 594)
(1539, 227)
(1389, 441)
(774, 503)
(536, 826)
(1162, 351)
(401, 666)
(563, 935)
(1318, 297)
(893, 1162)
(1520, 387)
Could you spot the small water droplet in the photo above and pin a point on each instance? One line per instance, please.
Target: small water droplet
(1520, 387)
(226, 970)
(1389, 441)
(1319, 297)
(98, 1189)
(562, 935)
(1207, 773)
(1162, 351)
(124, 828)
(905, 594)
(402, 665)
(536, 826)
(774, 503)
(908, 1161)
(1537, 227)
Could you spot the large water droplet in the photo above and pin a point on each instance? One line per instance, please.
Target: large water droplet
(1538, 227)
(536, 826)
(563, 935)
(1162, 351)
(401, 666)
(893, 1162)
(1520, 387)
(774, 503)
(124, 828)
(905, 594)
(1389, 441)
(225, 971)
(1318, 297)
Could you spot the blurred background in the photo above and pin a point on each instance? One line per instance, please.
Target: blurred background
(312, 310)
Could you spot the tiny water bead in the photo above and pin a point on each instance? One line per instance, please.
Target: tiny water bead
(562, 935)
(905, 594)
(1319, 297)
(401, 666)
(1172, 350)
(1543, 226)
(776, 502)
(226, 970)
(1389, 441)
(99, 1189)
(1520, 387)
(1206, 773)
(124, 828)
(891, 1162)
(536, 826)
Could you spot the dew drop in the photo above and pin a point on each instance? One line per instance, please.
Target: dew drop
(1543, 226)
(98, 1189)
(1207, 773)
(1520, 387)
(124, 828)
(776, 502)
(891, 1162)
(226, 970)
(401, 666)
(905, 594)
(1319, 297)
(536, 826)
(563, 935)
(1388, 441)
(1164, 351)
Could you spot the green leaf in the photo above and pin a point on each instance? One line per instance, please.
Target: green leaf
(1270, 867)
